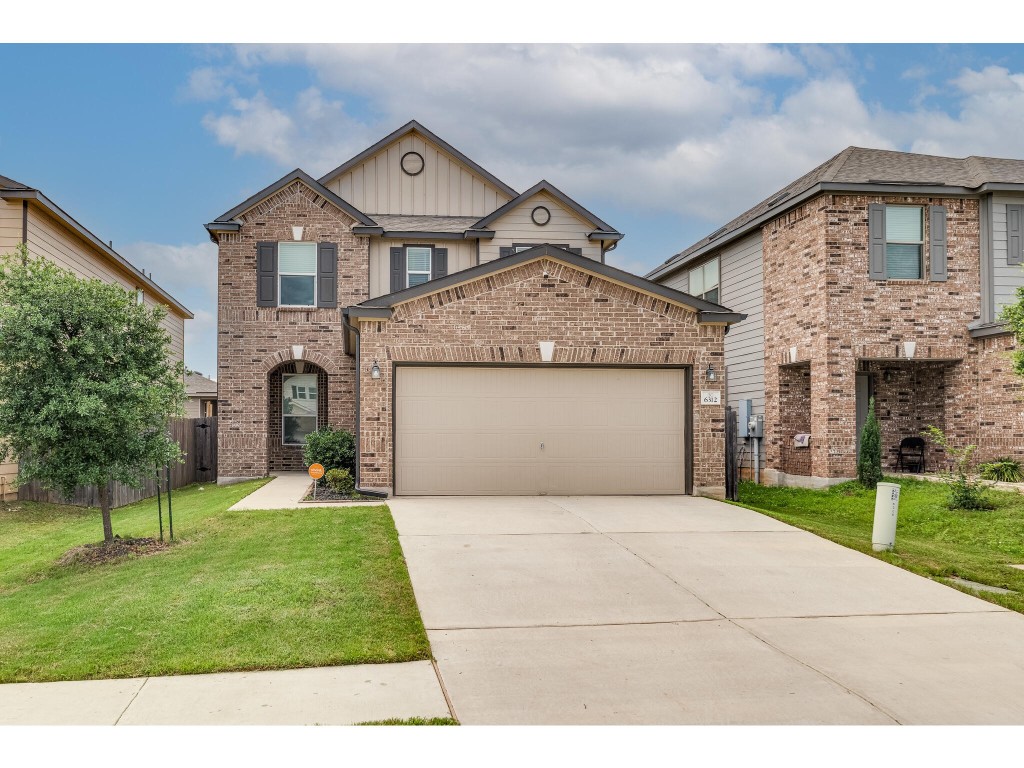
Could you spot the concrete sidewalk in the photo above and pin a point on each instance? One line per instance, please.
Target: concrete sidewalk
(314, 696)
(286, 490)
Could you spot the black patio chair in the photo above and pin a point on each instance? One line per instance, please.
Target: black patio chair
(911, 455)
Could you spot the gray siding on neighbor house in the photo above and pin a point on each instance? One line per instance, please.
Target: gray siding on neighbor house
(680, 281)
(1006, 278)
(742, 290)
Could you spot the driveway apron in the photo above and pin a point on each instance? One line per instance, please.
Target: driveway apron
(686, 610)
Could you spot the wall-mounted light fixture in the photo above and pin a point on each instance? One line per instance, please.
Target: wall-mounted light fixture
(296, 233)
(547, 350)
(710, 374)
(375, 371)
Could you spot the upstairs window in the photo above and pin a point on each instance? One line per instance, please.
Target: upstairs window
(417, 264)
(297, 274)
(904, 242)
(704, 281)
(140, 296)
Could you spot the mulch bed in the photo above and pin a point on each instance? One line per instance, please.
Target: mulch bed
(323, 493)
(94, 554)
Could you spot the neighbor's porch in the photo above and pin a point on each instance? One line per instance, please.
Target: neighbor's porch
(829, 400)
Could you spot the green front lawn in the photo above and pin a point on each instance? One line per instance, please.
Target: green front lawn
(237, 591)
(931, 539)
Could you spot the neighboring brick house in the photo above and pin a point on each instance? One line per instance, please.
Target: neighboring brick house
(879, 274)
(28, 216)
(471, 337)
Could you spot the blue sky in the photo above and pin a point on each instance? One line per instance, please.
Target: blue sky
(145, 143)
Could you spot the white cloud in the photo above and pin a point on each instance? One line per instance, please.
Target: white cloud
(697, 131)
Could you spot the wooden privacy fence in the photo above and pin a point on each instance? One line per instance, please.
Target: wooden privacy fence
(198, 441)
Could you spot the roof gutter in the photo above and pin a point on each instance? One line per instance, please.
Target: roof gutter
(55, 210)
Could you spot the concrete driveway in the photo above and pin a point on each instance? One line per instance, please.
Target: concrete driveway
(688, 610)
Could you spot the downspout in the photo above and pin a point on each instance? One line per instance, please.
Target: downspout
(347, 326)
(24, 222)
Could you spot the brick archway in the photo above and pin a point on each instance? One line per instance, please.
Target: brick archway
(284, 455)
(285, 355)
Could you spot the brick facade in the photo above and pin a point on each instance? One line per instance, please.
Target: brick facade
(500, 317)
(819, 298)
(253, 342)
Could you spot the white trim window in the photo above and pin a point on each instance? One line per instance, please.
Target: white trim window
(904, 242)
(298, 407)
(140, 296)
(296, 274)
(704, 281)
(418, 263)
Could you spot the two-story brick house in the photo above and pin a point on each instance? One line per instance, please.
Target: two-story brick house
(471, 336)
(879, 274)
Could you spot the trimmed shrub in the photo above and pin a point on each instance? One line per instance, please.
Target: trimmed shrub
(869, 462)
(340, 481)
(1004, 469)
(334, 448)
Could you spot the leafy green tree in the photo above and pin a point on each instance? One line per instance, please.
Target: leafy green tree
(869, 463)
(86, 382)
(1013, 316)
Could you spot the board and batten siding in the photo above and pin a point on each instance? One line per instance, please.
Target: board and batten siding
(1006, 278)
(516, 226)
(445, 187)
(461, 255)
(49, 238)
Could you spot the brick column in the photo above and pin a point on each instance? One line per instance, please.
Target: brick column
(833, 416)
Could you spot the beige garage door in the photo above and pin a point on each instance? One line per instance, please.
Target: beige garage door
(539, 430)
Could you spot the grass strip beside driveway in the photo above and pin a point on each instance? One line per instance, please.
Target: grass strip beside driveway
(931, 539)
(238, 591)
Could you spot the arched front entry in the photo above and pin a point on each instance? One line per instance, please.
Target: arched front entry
(296, 406)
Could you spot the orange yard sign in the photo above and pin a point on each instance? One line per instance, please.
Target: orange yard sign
(316, 471)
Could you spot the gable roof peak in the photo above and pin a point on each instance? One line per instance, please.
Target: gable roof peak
(546, 186)
(414, 126)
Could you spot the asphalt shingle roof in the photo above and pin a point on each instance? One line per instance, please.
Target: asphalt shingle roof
(857, 165)
(197, 384)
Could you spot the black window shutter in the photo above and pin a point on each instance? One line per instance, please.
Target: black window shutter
(876, 241)
(327, 274)
(1014, 239)
(505, 252)
(937, 242)
(577, 251)
(397, 269)
(266, 274)
(439, 264)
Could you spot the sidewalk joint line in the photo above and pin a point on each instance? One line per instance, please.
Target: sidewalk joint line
(444, 689)
(131, 701)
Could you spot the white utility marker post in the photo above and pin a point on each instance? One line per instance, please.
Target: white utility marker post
(887, 507)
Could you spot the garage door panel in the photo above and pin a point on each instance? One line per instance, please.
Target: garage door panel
(462, 430)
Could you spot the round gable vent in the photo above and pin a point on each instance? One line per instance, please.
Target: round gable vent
(412, 163)
(540, 215)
